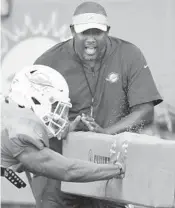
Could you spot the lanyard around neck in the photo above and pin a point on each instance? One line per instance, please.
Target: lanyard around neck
(90, 90)
(87, 81)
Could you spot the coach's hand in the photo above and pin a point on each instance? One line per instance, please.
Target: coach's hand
(70, 126)
(92, 125)
(74, 124)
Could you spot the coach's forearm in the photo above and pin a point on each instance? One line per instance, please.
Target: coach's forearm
(140, 116)
(53, 165)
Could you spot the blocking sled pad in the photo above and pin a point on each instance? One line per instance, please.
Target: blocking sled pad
(150, 168)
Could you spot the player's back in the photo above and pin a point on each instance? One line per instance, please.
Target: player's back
(20, 128)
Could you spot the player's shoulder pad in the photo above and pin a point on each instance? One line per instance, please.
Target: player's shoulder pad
(30, 131)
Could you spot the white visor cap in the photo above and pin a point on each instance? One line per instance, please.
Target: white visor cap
(87, 21)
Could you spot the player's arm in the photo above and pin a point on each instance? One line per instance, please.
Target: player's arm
(48, 163)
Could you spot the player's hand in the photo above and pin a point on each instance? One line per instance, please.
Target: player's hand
(119, 157)
(91, 124)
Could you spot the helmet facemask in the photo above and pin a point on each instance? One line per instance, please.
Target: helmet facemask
(56, 119)
(53, 111)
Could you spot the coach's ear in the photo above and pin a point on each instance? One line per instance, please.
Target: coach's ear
(72, 30)
(108, 29)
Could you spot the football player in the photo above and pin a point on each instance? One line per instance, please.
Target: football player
(35, 110)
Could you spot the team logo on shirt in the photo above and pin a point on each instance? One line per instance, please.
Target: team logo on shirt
(112, 77)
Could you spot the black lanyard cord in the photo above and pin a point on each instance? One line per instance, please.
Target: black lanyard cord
(87, 81)
(90, 90)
